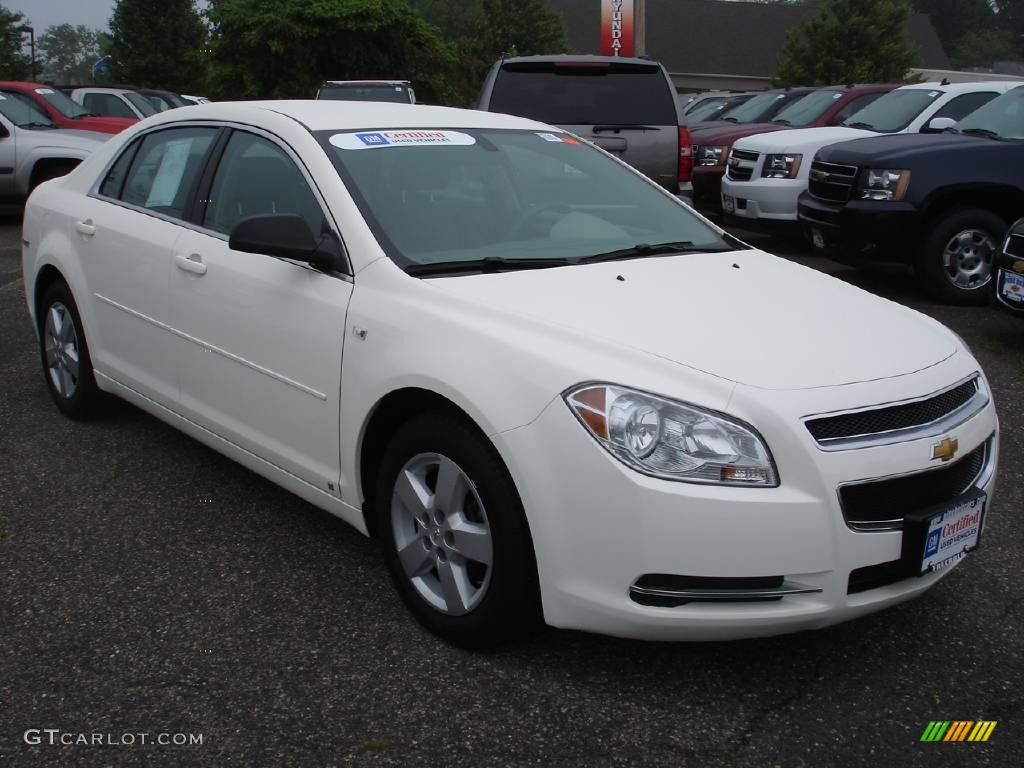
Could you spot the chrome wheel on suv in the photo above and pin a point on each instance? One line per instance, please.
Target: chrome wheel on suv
(955, 262)
(968, 258)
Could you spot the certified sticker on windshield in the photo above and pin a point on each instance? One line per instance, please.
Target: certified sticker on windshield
(44, 91)
(409, 138)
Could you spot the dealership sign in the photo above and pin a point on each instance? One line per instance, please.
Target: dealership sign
(617, 27)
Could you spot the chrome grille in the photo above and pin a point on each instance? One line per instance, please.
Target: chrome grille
(893, 418)
(832, 182)
(741, 164)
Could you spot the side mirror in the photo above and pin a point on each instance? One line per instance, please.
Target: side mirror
(287, 236)
(938, 124)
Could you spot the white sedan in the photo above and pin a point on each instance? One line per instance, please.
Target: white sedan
(543, 383)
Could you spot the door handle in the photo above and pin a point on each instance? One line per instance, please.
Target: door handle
(192, 263)
(85, 227)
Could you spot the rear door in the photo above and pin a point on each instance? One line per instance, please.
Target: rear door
(626, 108)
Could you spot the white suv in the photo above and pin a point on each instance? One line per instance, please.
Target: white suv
(767, 172)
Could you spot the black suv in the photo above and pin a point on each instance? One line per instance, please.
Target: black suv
(940, 202)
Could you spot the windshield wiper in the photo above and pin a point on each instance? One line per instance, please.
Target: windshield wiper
(730, 119)
(485, 266)
(37, 125)
(643, 250)
(867, 126)
(979, 132)
(602, 128)
(782, 122)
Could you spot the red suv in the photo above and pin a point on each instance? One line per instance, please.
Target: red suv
(63, 111)
(820, 107)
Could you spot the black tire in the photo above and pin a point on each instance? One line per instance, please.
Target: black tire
(86, 401)
(930, 266)
(510, 603)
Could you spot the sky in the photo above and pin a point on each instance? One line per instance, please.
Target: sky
(44, 13)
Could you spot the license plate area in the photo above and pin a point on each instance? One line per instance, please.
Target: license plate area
(818, 238)
(728, 203)
(938, 537)
(1013, 287)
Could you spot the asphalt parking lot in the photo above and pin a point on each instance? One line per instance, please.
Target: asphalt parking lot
(149, 585)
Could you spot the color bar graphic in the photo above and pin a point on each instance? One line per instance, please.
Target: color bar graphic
(958, 730)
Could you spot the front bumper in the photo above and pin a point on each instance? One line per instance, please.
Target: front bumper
(598, 527)
(772, 200)
(707, 187)
(862, 230)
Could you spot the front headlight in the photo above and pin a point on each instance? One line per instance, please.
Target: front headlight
(781, 166)
(886, 184)
(670, 439)
(709, 156)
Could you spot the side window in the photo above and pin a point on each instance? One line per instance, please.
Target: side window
(962, 106)
(106, 104)
(165, 167)
(113, 182)
(255, 176)
(855, 106)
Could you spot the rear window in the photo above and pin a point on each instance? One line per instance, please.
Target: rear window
(596, 93)
(392, 93)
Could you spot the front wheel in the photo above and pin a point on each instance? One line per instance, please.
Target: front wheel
(454, 534)
(958, 259)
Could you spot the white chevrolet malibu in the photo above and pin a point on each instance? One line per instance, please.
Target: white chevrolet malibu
(542, 382)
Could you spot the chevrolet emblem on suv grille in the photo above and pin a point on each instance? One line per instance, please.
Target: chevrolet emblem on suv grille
(945, 449)
(817, 175)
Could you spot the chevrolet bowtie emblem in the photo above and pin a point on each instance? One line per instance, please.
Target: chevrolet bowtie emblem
(945, 449)
(1019, 267)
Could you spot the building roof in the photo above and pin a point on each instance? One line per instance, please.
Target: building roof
(718, 37)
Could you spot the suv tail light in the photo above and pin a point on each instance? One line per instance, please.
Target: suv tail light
(685, 155)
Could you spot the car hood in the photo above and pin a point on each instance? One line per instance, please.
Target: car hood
(61, 138)
(891, 151)
(728, 133)
(801, 140)
(743, 316)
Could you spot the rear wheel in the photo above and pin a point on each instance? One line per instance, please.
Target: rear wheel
(957, 262)
(454, 534)
(64, 352)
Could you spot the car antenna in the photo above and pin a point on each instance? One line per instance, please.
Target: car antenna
(945, 81)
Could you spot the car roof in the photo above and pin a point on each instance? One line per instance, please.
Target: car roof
(580, 58)
(955, 87)
(366, 82)
(348, 115)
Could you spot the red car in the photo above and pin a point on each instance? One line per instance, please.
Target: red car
(63, 111)
(712, 144)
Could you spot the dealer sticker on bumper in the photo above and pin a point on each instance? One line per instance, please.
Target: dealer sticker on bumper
(1013, 287)
(952, 533)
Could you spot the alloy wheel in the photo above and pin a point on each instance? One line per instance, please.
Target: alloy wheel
(968, 258)
(442, 534)
(62, 356)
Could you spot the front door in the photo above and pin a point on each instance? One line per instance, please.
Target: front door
(260, 337)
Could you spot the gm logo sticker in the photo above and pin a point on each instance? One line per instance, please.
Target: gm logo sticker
(372, 139)
(932, 545)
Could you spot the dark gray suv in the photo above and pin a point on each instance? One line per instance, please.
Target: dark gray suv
(625, 106)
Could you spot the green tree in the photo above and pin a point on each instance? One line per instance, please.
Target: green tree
(982, 48)
(955, 20)
(855, 41)
(286, 48)
(1010, 19)
(14, 64)
(67, 53)
(522, 27)
(158, 43)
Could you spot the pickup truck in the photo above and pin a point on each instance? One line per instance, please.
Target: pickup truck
(939, 202)
(811, 107)
(767, 172)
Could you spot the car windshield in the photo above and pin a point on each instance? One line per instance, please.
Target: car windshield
(399, 94)
(62, 103)
(23, 112)
(757, 109)
(1001, 118)
(894, 111)
(161, 104)
(141, 103)
(439, 196)
(805, 111)
(585, 93)
(706, 111)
